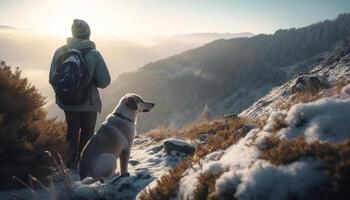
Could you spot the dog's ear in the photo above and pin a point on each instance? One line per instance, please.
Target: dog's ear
(131, 103)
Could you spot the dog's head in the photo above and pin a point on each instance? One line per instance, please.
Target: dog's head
(136, 103)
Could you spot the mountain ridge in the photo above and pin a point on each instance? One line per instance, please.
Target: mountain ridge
(235, 72)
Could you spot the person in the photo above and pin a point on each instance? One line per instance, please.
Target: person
(81, 118)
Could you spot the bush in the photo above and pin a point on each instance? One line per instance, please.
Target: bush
(25, 130)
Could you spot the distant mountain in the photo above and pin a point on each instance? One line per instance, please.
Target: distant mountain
(226, 75)
(120, 55)
(5, 27)
(25, 48)
(215, 36)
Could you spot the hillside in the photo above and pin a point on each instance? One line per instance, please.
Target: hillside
(291, 144)
(296, 146)
(225, 76)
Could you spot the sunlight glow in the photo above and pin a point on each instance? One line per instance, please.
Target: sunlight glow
(100, 17)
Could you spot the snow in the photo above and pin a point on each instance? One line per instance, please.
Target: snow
(124, 188)
(246, 176)
(179, 142)
(275, 116)
(327, 119)
(148, 161)
(345, 91)
(238, 156)
(266, 181)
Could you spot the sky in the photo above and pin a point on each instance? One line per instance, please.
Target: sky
(167, 17)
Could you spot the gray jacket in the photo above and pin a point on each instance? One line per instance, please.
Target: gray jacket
(98, 74)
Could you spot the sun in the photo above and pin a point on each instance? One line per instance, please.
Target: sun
(59, 20)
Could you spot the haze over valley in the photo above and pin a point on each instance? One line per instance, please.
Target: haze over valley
(32, 51)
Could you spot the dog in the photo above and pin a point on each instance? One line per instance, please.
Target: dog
(113, 140)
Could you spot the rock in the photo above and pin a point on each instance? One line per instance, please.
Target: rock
(178, 145)
(134, 162)
(245, 128)
(312, 83)
(203, 138)
(156, 149)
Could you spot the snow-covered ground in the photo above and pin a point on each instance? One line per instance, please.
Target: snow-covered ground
(148, 161)
(243, 174)
(246, 176)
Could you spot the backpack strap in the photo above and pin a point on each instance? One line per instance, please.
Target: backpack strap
(65, 48)
(85, 51)
(62, 56)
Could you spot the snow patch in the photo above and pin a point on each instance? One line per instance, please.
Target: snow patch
(327, 119)
(266, 181)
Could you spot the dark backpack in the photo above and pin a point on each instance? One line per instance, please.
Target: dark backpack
(70, 80)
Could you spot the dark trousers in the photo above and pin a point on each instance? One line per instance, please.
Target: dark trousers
(81, 127)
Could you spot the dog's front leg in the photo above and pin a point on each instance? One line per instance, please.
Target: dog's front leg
(124, 160)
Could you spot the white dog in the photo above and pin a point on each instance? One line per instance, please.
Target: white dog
(113, 140)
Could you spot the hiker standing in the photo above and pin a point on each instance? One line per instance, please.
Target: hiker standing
(77, 70)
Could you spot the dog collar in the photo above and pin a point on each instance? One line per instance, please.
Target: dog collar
(123, 117)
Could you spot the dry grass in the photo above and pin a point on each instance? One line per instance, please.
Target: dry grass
(160, 133)
(334, 159)
(305, 97)
(309, 96)
(224, 134)
(192, 131)
(206, 186)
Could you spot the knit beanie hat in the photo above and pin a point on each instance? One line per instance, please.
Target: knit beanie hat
(80, 29)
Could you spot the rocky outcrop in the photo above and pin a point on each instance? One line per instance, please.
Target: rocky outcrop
(312, 83)
(178, 146)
